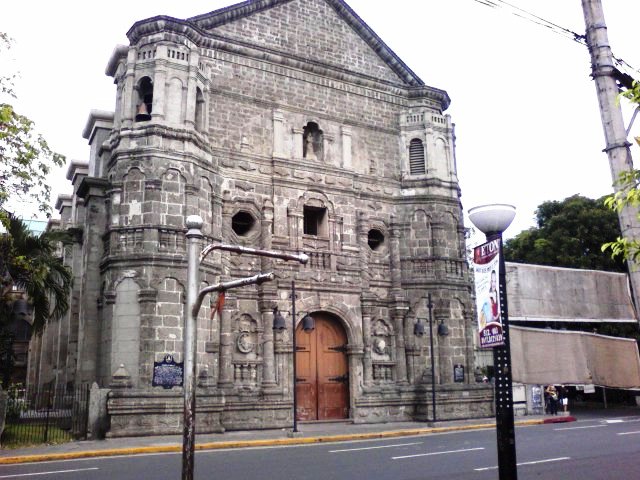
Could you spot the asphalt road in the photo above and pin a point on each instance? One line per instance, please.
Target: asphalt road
(593, 449)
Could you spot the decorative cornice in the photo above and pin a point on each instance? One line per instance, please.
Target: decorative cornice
(77, 167)
(120, 51)
(63, 201)
(97, 119)
(92, 182)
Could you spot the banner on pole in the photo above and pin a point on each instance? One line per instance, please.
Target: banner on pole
(486, 267)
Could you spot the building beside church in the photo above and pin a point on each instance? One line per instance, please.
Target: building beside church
(286, 125)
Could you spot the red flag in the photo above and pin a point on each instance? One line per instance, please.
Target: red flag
(219, 305)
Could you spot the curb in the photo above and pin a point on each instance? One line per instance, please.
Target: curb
(47, 457)
(563, 419)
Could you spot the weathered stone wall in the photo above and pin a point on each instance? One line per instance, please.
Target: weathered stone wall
(286, 134)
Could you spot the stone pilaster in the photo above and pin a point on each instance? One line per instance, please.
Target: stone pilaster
(92, 191)
(278, 134)
(267, 292)
(297, 142)
(225, 377)
(346, 147)
(367, 368)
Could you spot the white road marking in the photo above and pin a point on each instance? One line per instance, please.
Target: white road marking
(437, 453)
(628, 433)
(48, 473)
(614, 421)
(372, 448)
(547, 460)
(577, 428)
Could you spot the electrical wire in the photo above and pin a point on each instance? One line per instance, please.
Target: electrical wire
(535, 19)
(553, 27)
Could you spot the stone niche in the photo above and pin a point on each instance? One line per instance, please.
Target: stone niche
(247, 356)
(382, 351)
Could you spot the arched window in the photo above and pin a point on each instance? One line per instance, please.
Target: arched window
(145, 100)
(416, 157)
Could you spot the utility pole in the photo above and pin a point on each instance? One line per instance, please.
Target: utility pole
(617, 146)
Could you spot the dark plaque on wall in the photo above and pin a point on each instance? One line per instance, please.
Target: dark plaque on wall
(167, 373)
(458, 373)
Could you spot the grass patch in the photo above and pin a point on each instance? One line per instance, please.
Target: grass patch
(31, 434)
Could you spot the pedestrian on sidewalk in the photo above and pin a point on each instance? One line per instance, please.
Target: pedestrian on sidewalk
(553, 399)
(562, 397)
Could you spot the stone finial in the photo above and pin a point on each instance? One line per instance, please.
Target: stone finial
(194, 222)
(121, 378)
(204, 379)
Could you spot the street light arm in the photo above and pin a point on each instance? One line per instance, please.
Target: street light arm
(300, 257)
(221, 287)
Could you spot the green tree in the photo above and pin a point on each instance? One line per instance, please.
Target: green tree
(628, 195)
(569, 233)
(25, 156)
(31, 263)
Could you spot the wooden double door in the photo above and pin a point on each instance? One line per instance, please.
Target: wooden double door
(322, 386)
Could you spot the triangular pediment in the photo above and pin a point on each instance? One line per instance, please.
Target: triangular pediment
(326, 32)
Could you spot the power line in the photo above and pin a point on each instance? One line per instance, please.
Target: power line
(551, 26)
(532, 18)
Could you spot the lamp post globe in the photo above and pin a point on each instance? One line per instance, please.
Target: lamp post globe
(492, 220)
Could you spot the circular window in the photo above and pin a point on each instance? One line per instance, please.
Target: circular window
(375, 239)
(242, 223)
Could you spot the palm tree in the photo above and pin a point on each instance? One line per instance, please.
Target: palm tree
(30, 263)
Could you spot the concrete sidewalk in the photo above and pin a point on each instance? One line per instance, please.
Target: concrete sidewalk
(317, 432)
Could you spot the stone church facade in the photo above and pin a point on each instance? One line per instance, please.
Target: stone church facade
(286, 125)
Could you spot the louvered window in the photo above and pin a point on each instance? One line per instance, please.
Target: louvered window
(416, 157)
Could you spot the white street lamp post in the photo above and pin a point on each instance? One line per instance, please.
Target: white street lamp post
(492, 220)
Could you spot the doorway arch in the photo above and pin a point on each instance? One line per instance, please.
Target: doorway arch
(322, 386)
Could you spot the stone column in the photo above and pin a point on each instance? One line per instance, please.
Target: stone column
(267, 293)
(394, 253)
(147, 301)
(225, 377)
(128, 93)
(159, 85)
(445, 364)
(367, 368)
(296, 228)
(401, 359)
(92, 190)
(74, 307)
(365, 299)
(399, 308)
(190, 116)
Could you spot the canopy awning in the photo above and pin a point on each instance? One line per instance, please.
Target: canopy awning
(567, 357)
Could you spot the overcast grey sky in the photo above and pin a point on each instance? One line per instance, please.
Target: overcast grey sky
(527, 121)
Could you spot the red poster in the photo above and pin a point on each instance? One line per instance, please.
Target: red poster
(486, 267)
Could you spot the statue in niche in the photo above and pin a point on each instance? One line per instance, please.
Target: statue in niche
(309, 154)
(312, 142)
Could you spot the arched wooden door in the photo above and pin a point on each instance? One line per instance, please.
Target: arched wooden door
(322, 386)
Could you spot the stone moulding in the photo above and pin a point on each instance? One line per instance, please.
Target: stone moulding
(152, 412)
